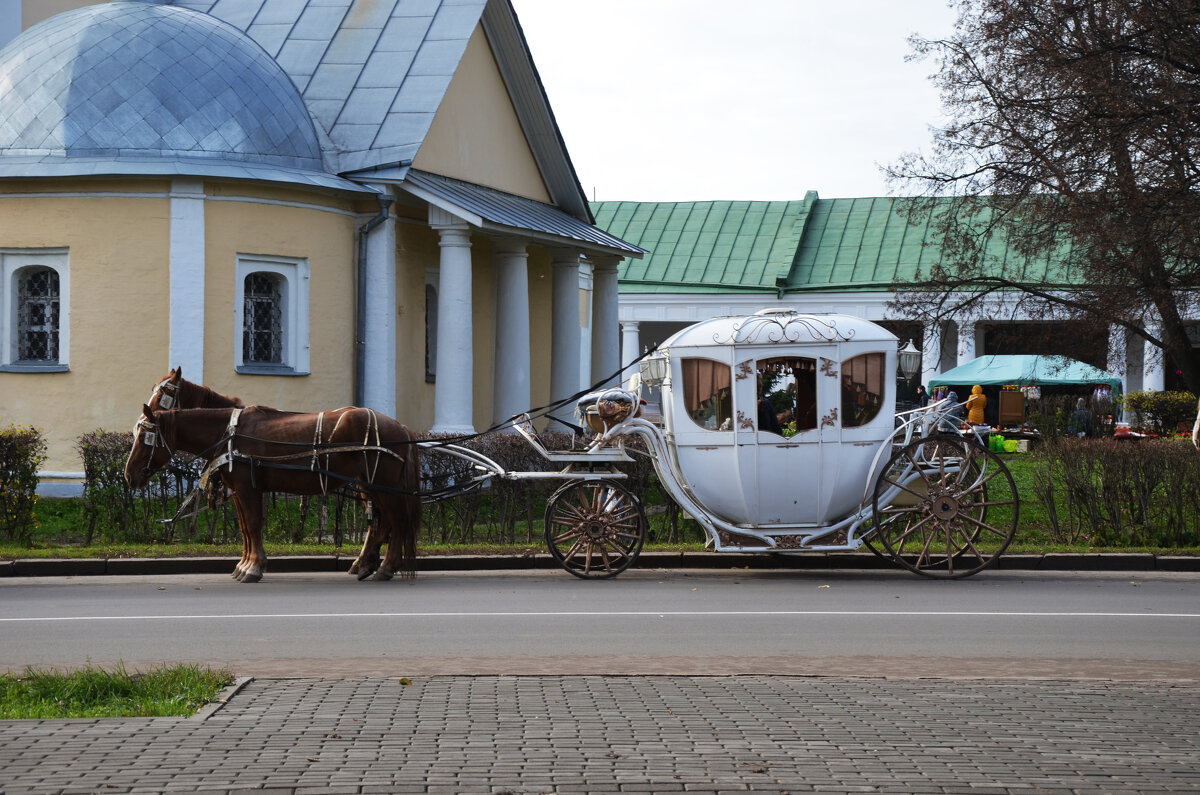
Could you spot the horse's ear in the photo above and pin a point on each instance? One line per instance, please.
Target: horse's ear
(177, 373)
(147, 412)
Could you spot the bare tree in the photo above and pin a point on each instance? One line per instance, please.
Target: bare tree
(1066, 178)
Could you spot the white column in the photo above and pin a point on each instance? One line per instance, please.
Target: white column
(1153, 374)
(630, 345)
(453, 391)
(931, 352)
(966, 342)
(586, 319)
(564, 337)
(185, 345)
(606, 332)
(511, 375)
(1118, 355)
(379, 365)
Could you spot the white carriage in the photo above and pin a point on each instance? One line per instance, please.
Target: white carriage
(779, 434)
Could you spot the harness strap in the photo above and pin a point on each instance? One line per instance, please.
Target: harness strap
(231, 432)
(322, 477)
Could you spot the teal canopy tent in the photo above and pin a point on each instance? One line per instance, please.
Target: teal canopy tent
(1026, 370)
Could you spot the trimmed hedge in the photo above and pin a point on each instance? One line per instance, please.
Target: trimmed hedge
(1120, 493)
(22, 451)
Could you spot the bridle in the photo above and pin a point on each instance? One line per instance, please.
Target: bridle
(168, 393)
(152, 437)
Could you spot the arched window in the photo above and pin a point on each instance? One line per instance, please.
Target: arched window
(34, 311)
(787, 395)
(37, 315)
(271, 313)
(262, 327)
(431, 321)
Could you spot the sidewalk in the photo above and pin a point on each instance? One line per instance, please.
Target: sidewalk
(622, 734)
(49, 567)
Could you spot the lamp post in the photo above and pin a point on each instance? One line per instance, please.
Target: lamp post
(909, 361)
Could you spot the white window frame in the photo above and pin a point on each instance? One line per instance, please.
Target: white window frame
(13, 260)
(295, 273)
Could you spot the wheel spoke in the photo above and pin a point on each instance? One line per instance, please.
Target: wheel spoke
(946, 533)
(603, 524)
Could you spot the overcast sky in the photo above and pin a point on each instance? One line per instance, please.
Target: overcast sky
(691, 100)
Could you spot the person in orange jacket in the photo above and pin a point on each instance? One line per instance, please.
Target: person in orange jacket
(975, 405)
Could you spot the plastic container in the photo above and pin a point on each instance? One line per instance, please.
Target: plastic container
(1010, 445)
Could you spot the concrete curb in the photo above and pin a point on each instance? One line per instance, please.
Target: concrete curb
(86, 567)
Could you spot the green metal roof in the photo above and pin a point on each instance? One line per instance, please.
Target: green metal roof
(816, 244)
(872, 243)
(717, 246)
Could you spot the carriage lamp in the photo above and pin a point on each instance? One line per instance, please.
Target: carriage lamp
(654, 370)
(910, 361)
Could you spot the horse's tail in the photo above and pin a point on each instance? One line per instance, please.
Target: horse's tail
(412, 502)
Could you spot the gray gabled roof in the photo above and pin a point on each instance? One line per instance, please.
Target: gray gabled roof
(373, 74)
(487, 208)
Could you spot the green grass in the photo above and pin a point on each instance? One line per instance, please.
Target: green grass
(90, 692)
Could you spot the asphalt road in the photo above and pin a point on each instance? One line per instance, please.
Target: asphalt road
(1132, 627)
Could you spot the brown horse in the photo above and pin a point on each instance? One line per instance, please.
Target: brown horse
(257, 449)
(173, 391)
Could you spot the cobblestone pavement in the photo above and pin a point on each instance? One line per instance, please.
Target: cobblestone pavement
(611, 734)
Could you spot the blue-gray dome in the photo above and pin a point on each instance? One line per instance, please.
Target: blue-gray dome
(133, 87)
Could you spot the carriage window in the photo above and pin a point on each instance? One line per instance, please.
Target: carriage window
(707, 394)
(863, 387)
(272, 315)
(787, 395)
(33, 305)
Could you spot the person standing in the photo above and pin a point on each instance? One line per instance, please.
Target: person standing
(922, 396)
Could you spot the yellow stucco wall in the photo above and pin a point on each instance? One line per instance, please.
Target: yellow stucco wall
(475, 135)
(416, 250)
(541, 301)
(239, 220)
(117, 259)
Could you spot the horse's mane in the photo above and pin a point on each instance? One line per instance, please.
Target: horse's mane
(211, 398)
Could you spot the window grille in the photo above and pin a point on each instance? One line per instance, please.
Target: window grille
(262, 332)
(37, 315)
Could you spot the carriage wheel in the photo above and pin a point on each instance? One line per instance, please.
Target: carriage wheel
(945, 507)
(595, 529)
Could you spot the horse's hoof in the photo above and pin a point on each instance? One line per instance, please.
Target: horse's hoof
(354, 568)
(252, 576)
(383, 574)
(364, 574)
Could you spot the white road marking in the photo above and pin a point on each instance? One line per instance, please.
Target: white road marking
(615, 614)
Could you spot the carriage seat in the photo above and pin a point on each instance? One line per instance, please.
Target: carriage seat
(602, 409)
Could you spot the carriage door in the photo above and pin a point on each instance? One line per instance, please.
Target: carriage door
(787, 471)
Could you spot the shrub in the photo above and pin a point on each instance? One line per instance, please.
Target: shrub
(22, 451)
(1112, 493)
(1160, 412)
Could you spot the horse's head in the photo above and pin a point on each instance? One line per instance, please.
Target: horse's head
(150, 452)
(165, 394)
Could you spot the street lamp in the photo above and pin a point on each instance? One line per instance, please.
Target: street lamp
(910, 361)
